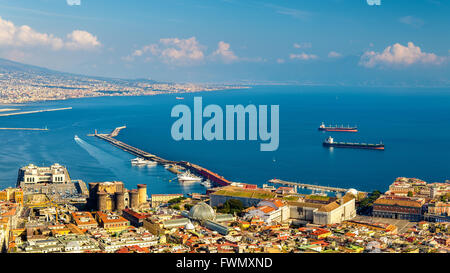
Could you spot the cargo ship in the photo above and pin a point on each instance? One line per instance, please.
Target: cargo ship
(337, 128)
(329, 142)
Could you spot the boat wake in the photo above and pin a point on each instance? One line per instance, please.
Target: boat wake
(114, 164)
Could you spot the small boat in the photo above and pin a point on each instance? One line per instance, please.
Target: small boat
(76, 137)
(188, 177)
(142, 162)
(179, 98)
(175, 169)
(206, 183)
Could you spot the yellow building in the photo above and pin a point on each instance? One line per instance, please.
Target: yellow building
(158, 199)
(12, 194)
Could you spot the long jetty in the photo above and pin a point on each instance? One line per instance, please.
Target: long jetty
(205, 173)
(25, 129)
(297, 185)
(36, 111)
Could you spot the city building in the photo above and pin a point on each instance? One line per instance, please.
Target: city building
(270, 211)
(14, 195)
(337, 211)
(111, 222)
(84, 220)
(136, 219)
(54, 181)
(112, 196)
(158, 199)
(398, 208)
(31, 175)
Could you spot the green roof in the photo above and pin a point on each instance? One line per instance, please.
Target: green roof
(246, 193)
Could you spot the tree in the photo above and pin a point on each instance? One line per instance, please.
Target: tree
(188, 206)
(232, 206)
(365, 206)
(176, 200)
(410, 194)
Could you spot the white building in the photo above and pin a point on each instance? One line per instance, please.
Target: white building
(270, 211)
(31, 174)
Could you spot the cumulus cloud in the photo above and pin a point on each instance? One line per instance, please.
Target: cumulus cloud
(303, 56)
(172, 50)
(181, 50)
(225, 53)
(80, 39)
(176, 51)
(21, 36)
(24, 36)
(400, 55)
(334, 54)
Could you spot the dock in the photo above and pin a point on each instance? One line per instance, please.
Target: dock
(133, 150)
(297, 185)
(36, 111)
(25, 129)
(203, 172)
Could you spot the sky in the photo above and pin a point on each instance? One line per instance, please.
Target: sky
(326, 42)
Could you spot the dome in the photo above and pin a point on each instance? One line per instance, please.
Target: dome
(202, 211)
(353, 191)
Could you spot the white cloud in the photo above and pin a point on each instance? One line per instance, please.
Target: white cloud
(73, 2)
(303, 45)
(225, 53)
(280, 61)
(15, 36)
(24, 36)
(303, 56)
(334, 54)
(398, 54)
(171, 50)
(80, 39)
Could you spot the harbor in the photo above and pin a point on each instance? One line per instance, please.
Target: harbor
(297, 185)
(173, 166)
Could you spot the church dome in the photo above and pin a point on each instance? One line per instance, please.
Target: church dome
(201, 212)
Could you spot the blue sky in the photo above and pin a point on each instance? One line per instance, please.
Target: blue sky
(348, 42)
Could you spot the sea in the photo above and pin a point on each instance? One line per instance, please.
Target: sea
(413, 123)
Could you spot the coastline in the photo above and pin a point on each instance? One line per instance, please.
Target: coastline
(97, 94)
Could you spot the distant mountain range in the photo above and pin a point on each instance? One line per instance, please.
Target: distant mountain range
(22, 83)
(8, 66)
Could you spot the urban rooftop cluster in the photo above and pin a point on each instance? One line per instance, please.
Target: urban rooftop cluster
(38, 216)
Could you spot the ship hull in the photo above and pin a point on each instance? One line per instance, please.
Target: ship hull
(379, 147)
(352, 130)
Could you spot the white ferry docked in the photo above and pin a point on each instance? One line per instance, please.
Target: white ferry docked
(188, 177)
(142, 162)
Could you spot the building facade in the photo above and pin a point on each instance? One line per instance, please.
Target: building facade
(398, 208)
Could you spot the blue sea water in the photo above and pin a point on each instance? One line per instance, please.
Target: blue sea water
(414, 124)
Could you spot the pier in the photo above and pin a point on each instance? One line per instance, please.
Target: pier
(297, 185)
(205, 173)
(25, 129)
(36, 111)
(133, 150)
